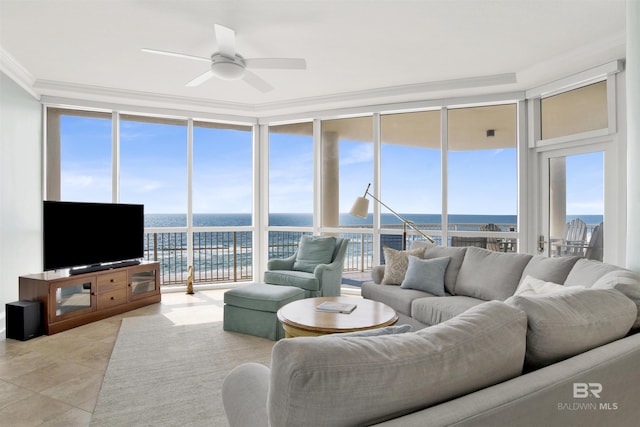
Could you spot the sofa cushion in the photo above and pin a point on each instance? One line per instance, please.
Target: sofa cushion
(314, 250)
(300, 279)
(561, 325)
(396, 263)
(336, 381)
(586, 272)
(490, 275)
(420, 244)
(426, 275)
(394, 296)
(387, 330)
(532, 286)
(377, 273)
(456, 255)
(549, 269)
(432, 311)
(626, 282)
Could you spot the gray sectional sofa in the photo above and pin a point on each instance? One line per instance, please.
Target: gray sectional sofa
(475, 275)
(514, 340)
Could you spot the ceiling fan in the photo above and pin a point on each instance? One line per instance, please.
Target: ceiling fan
(226, 64)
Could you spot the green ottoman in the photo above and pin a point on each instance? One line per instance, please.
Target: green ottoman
(252, 309)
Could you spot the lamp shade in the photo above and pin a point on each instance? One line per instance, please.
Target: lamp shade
(360, 208)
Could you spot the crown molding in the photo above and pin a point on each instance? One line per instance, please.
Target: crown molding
(97, 93)
(16, 72)
(147, 99)
(419, 90)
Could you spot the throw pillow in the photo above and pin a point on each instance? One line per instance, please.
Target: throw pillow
(420, 244)
(586, 272)
(532, 286)
(396, 263)
(426, 275)
(314, 250)
(489, 275)
(456, 255)
(562, 325)
(388, 330)
(553, 270)
(624, 281)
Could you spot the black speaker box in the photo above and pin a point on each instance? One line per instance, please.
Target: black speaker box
(23, 320)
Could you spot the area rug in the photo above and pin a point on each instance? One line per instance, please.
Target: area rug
(162, 374)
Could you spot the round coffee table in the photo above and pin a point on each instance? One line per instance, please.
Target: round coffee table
(300, 318)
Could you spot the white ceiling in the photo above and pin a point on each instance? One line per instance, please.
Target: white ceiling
(358, 52)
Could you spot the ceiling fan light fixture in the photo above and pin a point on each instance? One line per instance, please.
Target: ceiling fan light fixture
(227, 69)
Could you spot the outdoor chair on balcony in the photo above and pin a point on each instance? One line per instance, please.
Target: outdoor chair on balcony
(595, 246)
(493, 243)
(459, 241)
(316, 266)
(574, 241)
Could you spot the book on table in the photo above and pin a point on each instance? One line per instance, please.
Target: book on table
(336, 307)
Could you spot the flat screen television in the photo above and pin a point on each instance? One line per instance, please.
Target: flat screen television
(90, 235)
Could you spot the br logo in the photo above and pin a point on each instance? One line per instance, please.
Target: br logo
(584, 390)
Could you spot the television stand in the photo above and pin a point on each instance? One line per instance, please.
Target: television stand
(69, 301)
(102, 267)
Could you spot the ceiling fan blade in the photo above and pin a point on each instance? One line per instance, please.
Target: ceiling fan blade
(175, 54)
(200, 79)
(255, 81)
(226, 39)
(277, 63)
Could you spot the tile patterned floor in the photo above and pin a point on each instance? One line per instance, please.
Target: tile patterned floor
(54, 380)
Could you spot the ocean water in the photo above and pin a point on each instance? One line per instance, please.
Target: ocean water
(303, 220)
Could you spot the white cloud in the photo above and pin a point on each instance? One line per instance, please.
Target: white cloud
(73, 180)
(362, 153)
(594, 207)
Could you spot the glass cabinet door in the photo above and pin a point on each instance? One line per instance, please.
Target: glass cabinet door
(73, 297)
(143, 282)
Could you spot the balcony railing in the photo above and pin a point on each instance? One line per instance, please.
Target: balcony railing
(227, 256)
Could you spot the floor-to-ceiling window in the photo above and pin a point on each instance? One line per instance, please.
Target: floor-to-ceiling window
(153, 172)
(291, 195)
(222, 196)
(482, 175)
(411, 171)
(291, 175)
(346, 168)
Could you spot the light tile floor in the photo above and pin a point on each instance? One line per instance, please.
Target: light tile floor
(55, 380)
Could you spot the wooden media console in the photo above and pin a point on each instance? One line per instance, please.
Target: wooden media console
(73, 300)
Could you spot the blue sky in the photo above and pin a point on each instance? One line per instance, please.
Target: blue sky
(153, 171)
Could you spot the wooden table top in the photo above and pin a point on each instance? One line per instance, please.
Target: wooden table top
(368, 314)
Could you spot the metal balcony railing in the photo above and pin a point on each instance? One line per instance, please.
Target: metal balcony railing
(227, 256)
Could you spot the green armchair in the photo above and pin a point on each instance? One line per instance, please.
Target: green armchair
(316, 266)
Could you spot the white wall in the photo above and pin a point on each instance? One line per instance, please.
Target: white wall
(20, 189)
(633, 135)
